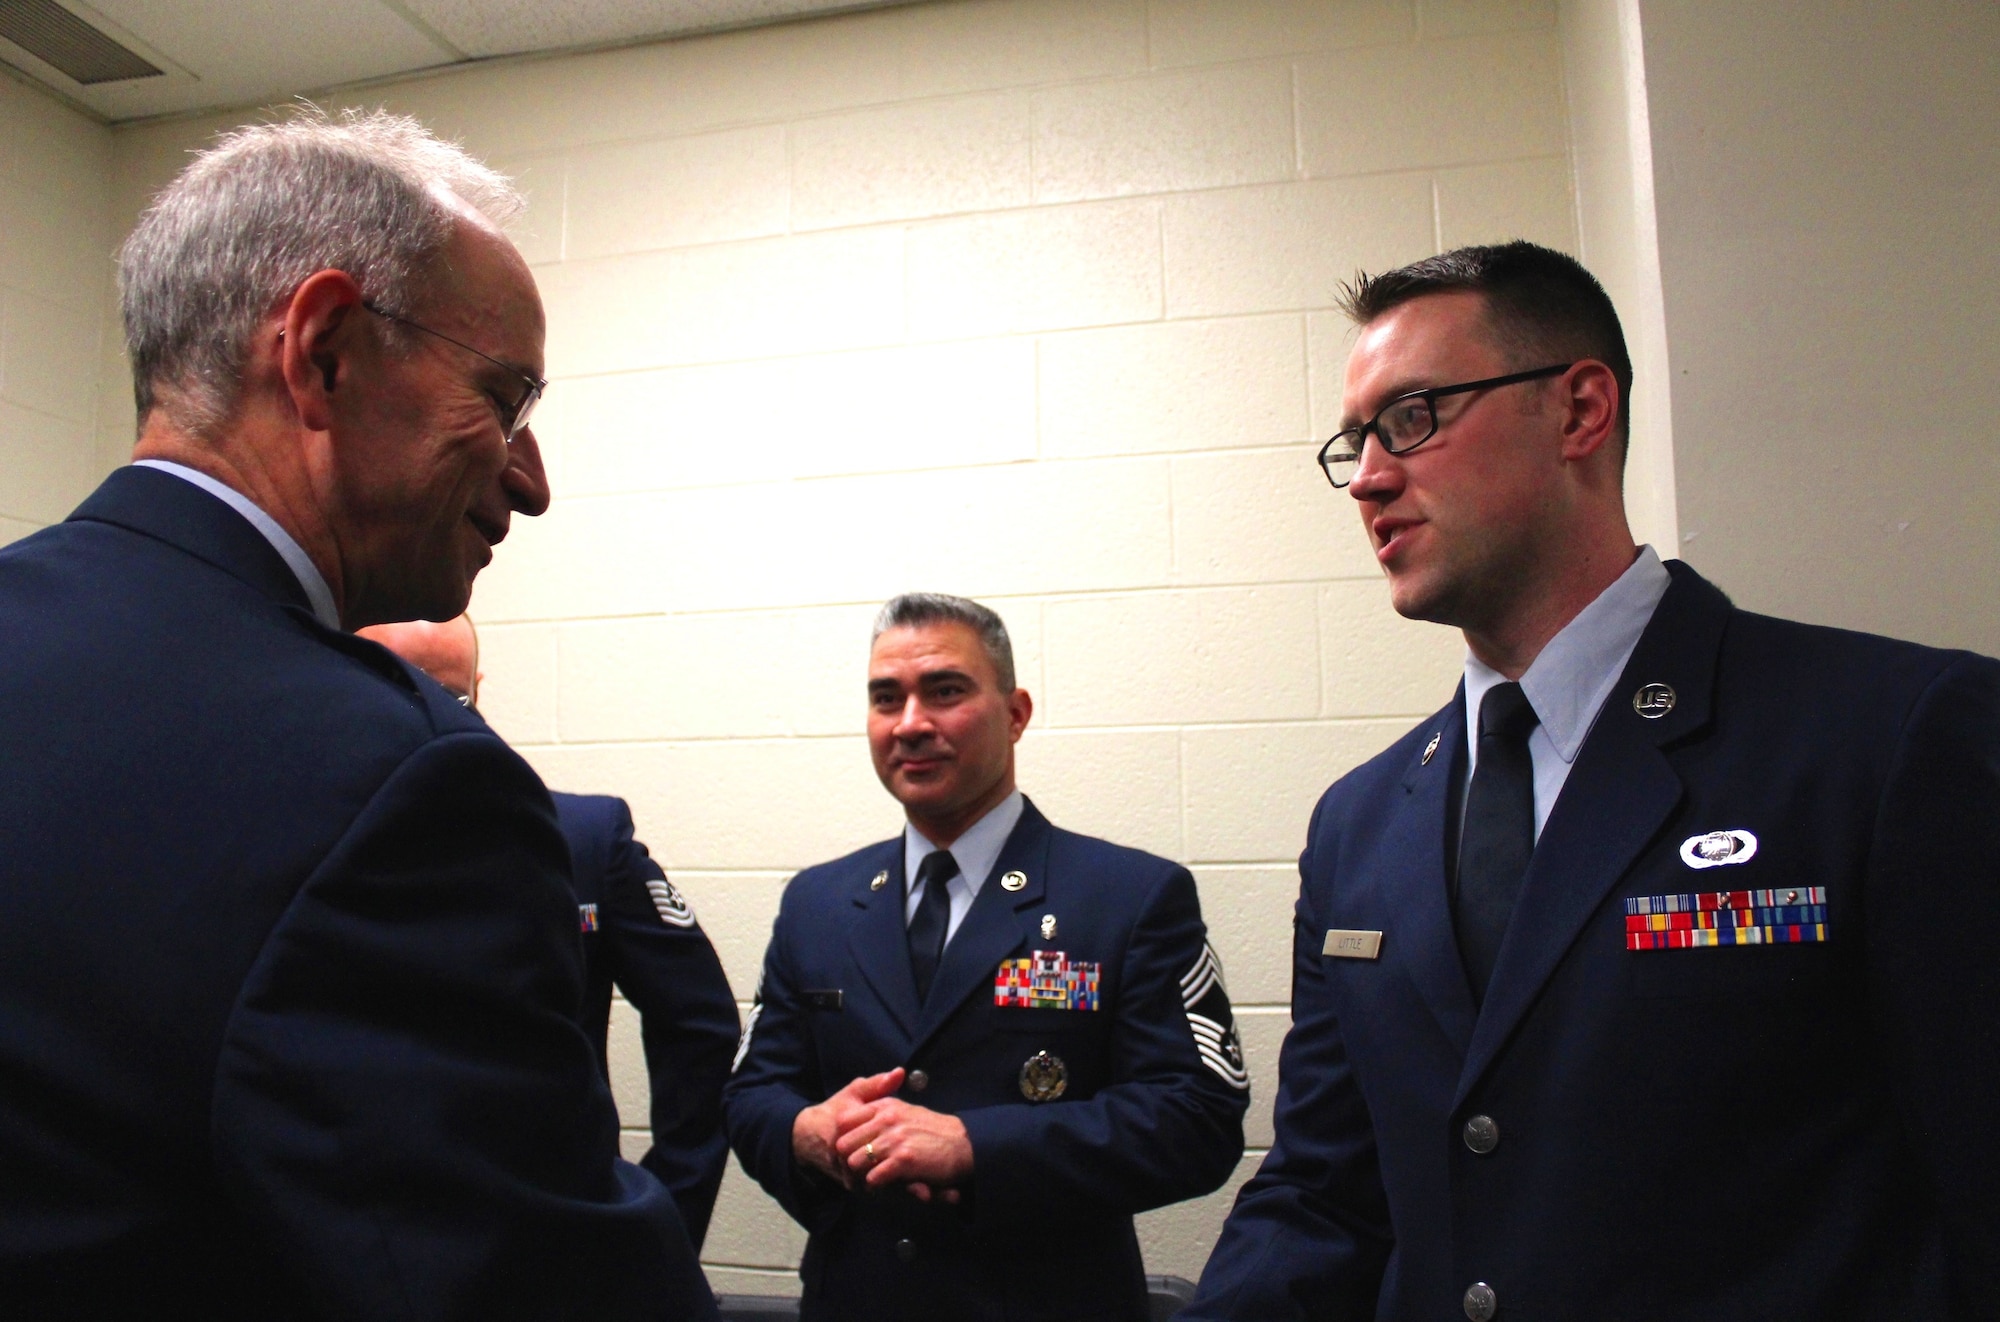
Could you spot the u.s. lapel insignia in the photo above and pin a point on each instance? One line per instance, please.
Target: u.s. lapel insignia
(1044, 1077)
(1048, 980)
(881, 880)
(1048, 927)
(1718, 849)
(1793, 916)
(1014, 881)
(1431, 748)
(1653, 701)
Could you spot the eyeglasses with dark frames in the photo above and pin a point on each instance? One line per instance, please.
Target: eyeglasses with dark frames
(1406, 422)
(513, 417)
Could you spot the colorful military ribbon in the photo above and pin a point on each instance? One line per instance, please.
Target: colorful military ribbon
(1046, 981)
(1725, 918)
(586, 917)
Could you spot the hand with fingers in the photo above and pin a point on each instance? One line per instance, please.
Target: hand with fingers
(817, 1128)
(893, 1142)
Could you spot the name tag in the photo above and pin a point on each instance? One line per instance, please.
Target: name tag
(1344, 944)
(822, 1000)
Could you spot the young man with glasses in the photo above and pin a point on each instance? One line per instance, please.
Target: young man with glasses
(1651, 976)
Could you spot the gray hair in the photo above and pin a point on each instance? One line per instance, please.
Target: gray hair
(257, 213)
(913, 609)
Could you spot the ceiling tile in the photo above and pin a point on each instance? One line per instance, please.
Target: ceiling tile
(244, 51)
(507, 27)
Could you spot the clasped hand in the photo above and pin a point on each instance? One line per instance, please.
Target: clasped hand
(866, 1135)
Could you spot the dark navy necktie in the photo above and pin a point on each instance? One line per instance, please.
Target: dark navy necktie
(933, 918)
(1498, 838)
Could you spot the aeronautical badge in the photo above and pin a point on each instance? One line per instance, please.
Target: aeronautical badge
(673, 907)
(1718, 848)
(1044, 1077)
(586, 917)
(1212, 1022)
(1047, 980)
(1786, 916)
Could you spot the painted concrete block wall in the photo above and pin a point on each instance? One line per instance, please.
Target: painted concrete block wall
(1827, 180)
(1023, 299)
(56, 242)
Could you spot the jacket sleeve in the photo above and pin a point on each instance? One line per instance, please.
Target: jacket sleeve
(1309, 1236)
(776, 1075)
(404, 1104)
(663, 962)
(1168, 1127)
(1933, 905)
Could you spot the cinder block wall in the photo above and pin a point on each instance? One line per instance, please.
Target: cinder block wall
(55, 289)
(1022, 299)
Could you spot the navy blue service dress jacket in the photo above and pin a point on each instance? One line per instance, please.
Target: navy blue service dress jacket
(1152, 1093)
(640, 934)
(289, 974)
(1639, 1125)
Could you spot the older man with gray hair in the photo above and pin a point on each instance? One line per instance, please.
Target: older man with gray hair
(288, 958)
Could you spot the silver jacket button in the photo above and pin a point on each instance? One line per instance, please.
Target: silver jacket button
(1480, 1302)
(918, 1080)
(1482, 1134)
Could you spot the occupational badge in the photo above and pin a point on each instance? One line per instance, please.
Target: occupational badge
(880, 880)
(1718, 848)
(1431, 748)
(1787, 916)
(1048, 927)
(673, 908)
(1047, 980)
(1044, 1077)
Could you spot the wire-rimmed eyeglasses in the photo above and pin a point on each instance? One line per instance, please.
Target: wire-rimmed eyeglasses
(1406, 422)
(514, 416)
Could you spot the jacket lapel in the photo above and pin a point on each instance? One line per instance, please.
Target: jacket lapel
(1618, 795)
(1420, 891)
(992, 929)
(878, 939)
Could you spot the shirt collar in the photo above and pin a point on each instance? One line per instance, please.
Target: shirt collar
(281, 541)
(1569, 681)
(975, 852)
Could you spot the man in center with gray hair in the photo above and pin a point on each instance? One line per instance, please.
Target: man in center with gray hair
(978, 1048)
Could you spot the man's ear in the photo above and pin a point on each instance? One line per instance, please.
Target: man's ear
(318, 343)
(1591, 405)
(1019, 708)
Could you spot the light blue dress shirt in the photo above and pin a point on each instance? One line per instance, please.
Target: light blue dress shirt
(281, 541)
(975, 852)
(1570, 681)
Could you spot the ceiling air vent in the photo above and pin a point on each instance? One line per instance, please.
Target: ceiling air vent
(65, 42)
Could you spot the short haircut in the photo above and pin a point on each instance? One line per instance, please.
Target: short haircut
(1542, 304)
(244, 225)
(913, 609)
